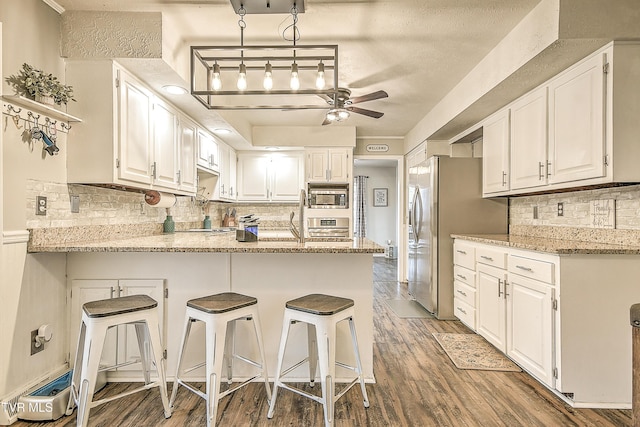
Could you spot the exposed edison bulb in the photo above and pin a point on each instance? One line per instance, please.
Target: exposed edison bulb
(268, 77)
(295, 80)
(216, 82)
(242, 77)
(320, 82)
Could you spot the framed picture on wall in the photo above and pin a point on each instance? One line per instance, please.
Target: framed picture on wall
(380, 197)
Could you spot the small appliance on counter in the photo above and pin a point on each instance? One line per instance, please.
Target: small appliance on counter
(247, 229)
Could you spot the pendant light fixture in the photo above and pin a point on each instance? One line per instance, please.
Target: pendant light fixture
(295, 79)
(216, 81)
(268, 77)
(320, 82)
(242, 69)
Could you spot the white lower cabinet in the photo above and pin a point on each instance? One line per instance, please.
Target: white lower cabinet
(492, 324)
(121, 345)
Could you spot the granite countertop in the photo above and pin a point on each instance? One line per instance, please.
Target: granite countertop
(549, 245)
(210, 242)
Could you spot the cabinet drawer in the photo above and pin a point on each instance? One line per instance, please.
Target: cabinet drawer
(490, 256)
(533, 268)
(464, 255)
(464, 293)
(468, 277)
(465, 313)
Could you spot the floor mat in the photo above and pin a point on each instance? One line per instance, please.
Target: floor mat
(407, 308)
(471, 351)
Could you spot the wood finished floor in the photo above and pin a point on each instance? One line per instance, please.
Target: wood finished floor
(417, 385)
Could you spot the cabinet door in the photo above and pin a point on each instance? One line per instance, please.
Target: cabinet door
(495, 154)
(165, 147)
(529, 140)
(221, 191)
(339, 165)
(207, 151)
(135, 140)
(491, 310)
(253, 178)
(83, 291)
(317, 165)
(576, 123)
(530, 326)
(287, 177)
(233, 164)
(128, 349)
(188, 172)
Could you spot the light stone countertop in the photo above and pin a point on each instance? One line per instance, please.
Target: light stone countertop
(549, 245)
(211, 242)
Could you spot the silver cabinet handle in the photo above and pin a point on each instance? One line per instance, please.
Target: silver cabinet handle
(460, 309)
(499, 291)
(461, 252)
(461, 293)
(461, 276)
(540, 174)
(488, 258)
(548, 168)
(179, 178)
(524, 268)
(153, 170)
(504, 178)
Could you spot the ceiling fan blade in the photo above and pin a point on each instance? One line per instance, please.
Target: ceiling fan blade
(326, 122)
(370, 113)
(369, 97)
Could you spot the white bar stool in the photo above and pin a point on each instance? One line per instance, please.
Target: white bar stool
(321, 313)
(97, 317)
(219, 313)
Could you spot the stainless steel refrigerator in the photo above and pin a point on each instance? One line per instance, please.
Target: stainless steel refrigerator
(445, 197)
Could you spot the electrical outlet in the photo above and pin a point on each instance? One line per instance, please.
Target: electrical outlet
(41, 205)
(75, 204)
(561, 209)
(35, 349)
(535, 212)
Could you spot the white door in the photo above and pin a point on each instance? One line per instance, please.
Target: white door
(221, 191)
(495, 154)
(576, 123)
(128, 349)
(207, 151)
(287, 177)
(165, 147)
(530, 326)
(83, 291)
(135, 137)
(317, 165)
(529, 140)
(339, 165)
(188, 173)
(491, 311)
(253, 177)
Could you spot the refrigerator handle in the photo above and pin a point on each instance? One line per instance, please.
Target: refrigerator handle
(417, 206)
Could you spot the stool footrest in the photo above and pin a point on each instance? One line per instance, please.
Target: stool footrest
(300, 363)
(300, 392)
(244, 383)
(123, 394)
(192, 389)
(120, 365)
(248, 361)
(346, 388)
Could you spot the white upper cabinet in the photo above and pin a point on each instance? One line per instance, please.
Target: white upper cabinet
(226, 185)
(130, 136)
(576, 122)
(270, 177)
(495, 154)
(328, 164)
(187, 175)
(529, 140)
(578, 129)
(208, 156)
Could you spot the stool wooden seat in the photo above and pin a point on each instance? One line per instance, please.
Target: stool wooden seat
(97, 318)
(220, 312)
(321, 313)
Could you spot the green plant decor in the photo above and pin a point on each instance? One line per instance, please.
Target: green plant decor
(31, 82)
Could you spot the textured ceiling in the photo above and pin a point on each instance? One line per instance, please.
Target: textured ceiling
(415, 50)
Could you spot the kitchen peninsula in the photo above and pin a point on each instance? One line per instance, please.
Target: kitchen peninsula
(177, 267)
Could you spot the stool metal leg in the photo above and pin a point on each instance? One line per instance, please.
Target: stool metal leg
(143, 345)
(92, 353)
(326, 357)
(185, 337)
(286, 324)
(313, 352)
(257, 327)
(356, 350)
(153, 328)
(230, 348)
(74, 395)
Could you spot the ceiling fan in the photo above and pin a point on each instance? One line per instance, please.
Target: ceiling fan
(342, 105)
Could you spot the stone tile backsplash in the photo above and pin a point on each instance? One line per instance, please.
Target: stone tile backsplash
(101, 206)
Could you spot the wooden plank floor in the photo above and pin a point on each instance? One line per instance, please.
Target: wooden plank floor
(417, 385)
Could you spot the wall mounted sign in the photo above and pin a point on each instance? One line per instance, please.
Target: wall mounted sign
(377, 148)
(603, 213)
(380, 197)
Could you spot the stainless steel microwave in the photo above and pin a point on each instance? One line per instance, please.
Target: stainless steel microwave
(328, 197)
